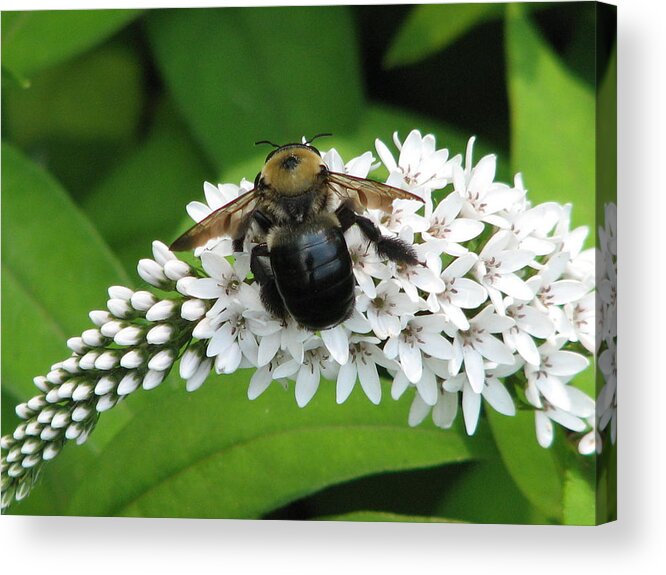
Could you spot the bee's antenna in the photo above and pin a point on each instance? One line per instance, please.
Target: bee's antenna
(266, 142)
(317, 136)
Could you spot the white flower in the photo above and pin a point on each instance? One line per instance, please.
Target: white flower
(358, 167)
(420, 168)
(493, 392)
(235, 337)
(364, 356)
(226, 283)
(446, 230)
(496, 267)
(418, 335)
(607, 399)
(459, 293)
(484, 198)
(264, 375)
(549, 379)
(477, 343)
(307, 374)
(530, 323)
(385, 309)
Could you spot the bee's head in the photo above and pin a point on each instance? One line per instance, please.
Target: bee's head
(291, 170)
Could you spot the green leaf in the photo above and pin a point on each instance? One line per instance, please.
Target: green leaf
(579, 503)
(51, 249)
(34, 41)
(19, 344)
(552, 121)
(55, 269)
(243, 75)
(485, 492)
(214, 453)
(384, 517)
(95, 97)
(144, 198)
(534, 469)
(429, 28)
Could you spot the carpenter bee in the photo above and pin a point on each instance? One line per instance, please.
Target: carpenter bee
(301, 210)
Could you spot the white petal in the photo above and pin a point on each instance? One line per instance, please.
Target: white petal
(526, 347)
(493, 349)
(369, 379)
(444, 413)
(567, 420)
(474, 368)
(205, 288)
(467, 293)
(544, 429)
(346, 381)
(307, 382)
(418, 411)
(471, 405)
(553, 390)
(513, 286)
(268, 347)
(498, 397)
(565, 363)
(337, 342)
(410, 360)
(427, 387)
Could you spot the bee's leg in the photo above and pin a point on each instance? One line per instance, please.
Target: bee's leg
(393, 249)
(264, 223)
(268, 291)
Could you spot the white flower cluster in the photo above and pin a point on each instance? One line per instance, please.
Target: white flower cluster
(504, 289)
(607, 323)
(500, 308)
(133, 344)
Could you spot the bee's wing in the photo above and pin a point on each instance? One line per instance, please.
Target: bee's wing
(367, 194)
(227, 220)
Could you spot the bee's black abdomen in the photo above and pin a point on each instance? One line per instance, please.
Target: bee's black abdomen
(313, 273)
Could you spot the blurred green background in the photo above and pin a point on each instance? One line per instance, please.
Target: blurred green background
(112, 120)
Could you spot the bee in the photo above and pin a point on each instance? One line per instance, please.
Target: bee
(301, 210)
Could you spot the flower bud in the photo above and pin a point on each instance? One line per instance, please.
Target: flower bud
(193, 310)
(107, 360)
(130, 335)
(71, 364)
(77, 345)
(128, 384)
(119, 307)
(151, 272)
(49, 433)
(99, 317)
(106, 402)
(50, 451)
(159, 335)
(143, 300)
(162, 253)
(92, 337)
(105, 385)
(183, 285)
(162, 360)
(111, 328)
(120, 292)
(176, 270)
(161, 310)
(152, 379)
(132, 359)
